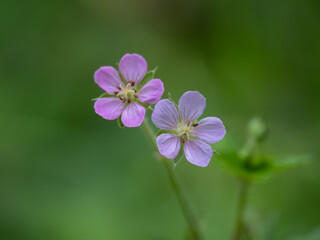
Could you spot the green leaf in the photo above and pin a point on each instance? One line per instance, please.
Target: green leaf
(289, 162)
(120, 123)
(258, 167)
(251, 168)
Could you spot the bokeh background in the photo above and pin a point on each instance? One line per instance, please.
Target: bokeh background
(66, 173)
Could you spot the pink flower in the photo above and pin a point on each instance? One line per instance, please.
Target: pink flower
(128, 95)
(194, 136)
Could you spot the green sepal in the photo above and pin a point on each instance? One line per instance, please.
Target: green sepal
(102, 96)
(195, 121)
(161, 131)
(120, 124)
(122, 79)
(147, 77)
(145, 105)
(179, 157)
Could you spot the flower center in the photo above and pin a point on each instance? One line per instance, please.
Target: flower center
(185, 129)
(127, 93)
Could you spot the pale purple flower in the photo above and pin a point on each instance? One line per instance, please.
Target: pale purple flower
(184, 130)
(128, 95)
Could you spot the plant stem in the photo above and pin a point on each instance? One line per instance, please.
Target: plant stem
(190, 218)
(242, 198)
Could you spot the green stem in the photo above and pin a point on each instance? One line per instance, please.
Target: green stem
(190, 218)
(243, 195)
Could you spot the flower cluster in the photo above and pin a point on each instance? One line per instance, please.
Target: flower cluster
(124, 96)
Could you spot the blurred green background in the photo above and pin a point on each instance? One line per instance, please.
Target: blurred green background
(67, 174)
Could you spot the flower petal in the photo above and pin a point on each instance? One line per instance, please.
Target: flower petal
(133, 67)
(133, 115)
(109, 108)
(165, 115)
(197, 152)
(191, 106)
(209, 130)
(169, 145)
(151, 92)
(108, 79)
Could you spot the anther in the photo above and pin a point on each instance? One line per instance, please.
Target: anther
(195, 124)
(119, 87)
(129, 100)
(182, 140)
(115, 92)
(134, 90)
(135, 95)
(188, 123)
(132, 84)
(124, 100)
(121, 98)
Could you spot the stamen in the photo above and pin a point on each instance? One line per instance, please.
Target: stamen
(124, 100)
(129, 100)
(115, 92)
(195, 124)
(134, 90)
(182, 140)
(121, 98)
(119, 87)
(136, 96)
(132, 84)
(188, 123)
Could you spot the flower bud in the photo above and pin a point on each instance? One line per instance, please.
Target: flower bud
(257, 129)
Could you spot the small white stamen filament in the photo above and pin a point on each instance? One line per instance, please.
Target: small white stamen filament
(126, 93)
(185, 130)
